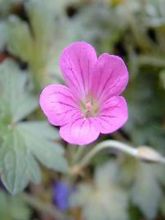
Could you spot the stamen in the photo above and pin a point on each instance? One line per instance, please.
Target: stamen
(89, 107)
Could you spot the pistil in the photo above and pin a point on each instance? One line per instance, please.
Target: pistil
(89, 107)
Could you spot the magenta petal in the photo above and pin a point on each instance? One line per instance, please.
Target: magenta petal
(58, 104)
(77, 62)
(81, 131)
(110, 76)
(113, 115)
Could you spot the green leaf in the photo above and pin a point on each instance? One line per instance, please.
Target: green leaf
(146, 191)
(16, 166)
(13, 208)
(48, 153)
(163, 207)
(42, 21)
(19, 39)
(42, 129)
(19, 151)
(16, 101)
(24, 144)
(3, 35)
(107, 199)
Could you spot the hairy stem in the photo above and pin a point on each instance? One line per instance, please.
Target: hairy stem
(143, 152)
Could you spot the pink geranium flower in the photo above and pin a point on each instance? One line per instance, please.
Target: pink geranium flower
(90, 104)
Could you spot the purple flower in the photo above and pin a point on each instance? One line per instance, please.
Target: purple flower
(61, 195)
(90, 104)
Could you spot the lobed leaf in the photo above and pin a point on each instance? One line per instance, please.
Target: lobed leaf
(16, 101)
(23, 144)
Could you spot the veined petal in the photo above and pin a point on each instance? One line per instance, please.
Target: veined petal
(58, 104)
(81, 131)
(110, 77)
(77, 62)
(113, 115)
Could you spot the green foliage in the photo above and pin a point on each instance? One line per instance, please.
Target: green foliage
(3, 35)
(16, 31)
(38, 41)
(104, 199)
(48, 153)
(13, 208)
(116, 186)
(15, 101)
(146, 190)
(146, 100)
(23, 142)
(145, 185)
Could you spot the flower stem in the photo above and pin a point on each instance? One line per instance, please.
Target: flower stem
(146, 153)
(78, 154)
(107, 144)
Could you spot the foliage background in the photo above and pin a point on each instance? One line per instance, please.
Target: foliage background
(33, 159)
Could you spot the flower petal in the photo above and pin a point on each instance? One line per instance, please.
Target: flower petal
(58, 104)
(81, 131)
(113, 115)
(77, 62)
(110, 77)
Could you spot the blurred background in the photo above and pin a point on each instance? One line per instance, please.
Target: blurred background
(114, 186)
